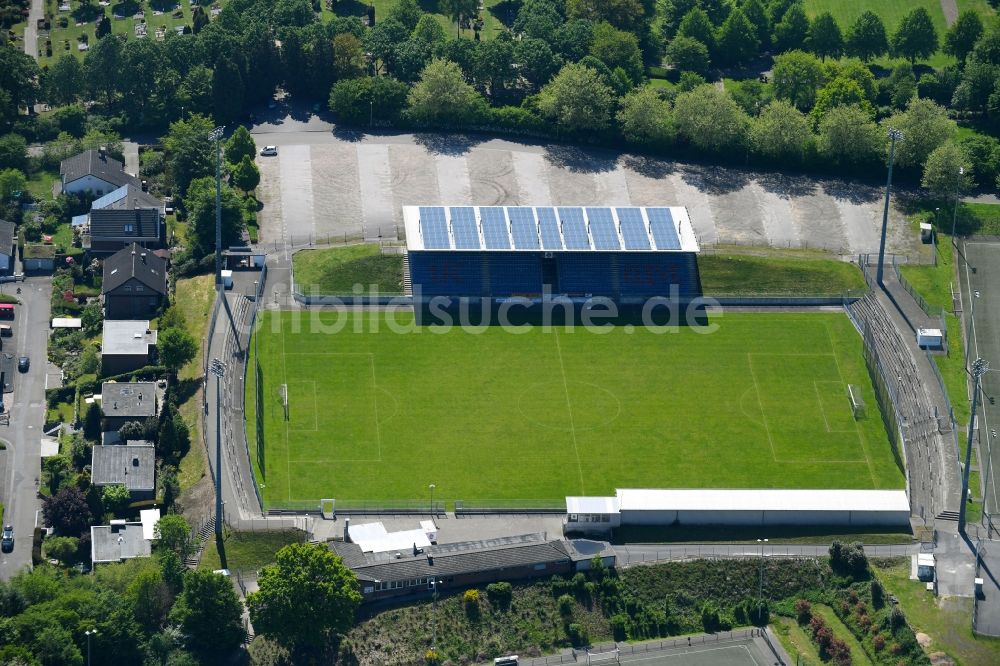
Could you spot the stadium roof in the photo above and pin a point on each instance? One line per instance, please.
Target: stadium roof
(761, 500)
(549, 228)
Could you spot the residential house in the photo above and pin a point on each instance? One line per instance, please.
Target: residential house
(132, 465)
(135, 283)
(7, 247)
(118, 542)
(417, 570)
(126, 345)
(122, 402)
(112, 229)
(126, 197)
(94, 172)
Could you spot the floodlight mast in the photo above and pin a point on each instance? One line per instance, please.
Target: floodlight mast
(979, 368)
(218, 368)
(894, 136)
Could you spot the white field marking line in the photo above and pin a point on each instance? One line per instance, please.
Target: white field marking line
(378, 429)
(569, 407)
(840, 385)
(686, 653)
(760, 403)
(337, 461)
(315, 427)
(822, 412)
(857, 428)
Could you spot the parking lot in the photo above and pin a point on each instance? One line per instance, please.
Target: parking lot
(323, 184)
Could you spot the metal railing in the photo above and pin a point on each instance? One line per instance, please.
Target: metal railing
(929, 310)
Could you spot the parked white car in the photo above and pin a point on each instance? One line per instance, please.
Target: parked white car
(269, 151)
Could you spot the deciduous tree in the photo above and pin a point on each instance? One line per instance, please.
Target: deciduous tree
(916, 36)
(210, 615)
(67, 511)
(240, 145)
(245, 175)
(963, 34)
(925, 126)
(645, 118)
(200, 204)
(443, 97)
(174, 534)
(792, 31)
(697, 25)
(175, 347)
(947, 172)
(305, 598)
(797, 77)
(737, 41)
(709, 119)
(825, 38)
(866, 37)
(577, 100)
(686, 54)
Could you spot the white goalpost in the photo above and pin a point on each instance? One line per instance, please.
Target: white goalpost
(609, 657)
(283, 391)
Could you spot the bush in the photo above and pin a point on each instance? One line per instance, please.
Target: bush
(500, 594)
(619, 626)
(577, 634)
(803, 611)
(566, 603)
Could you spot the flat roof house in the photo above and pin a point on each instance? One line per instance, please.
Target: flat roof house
(132, 465)
(385, 575)
(135, 283)
(126, 401)
(118, 542)
(126, 344)
(94, 172)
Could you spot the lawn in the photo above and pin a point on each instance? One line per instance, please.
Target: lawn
(740, 274)
(891, 12)
(946, 620)
(338, 270)
(494, 415)
(194, 296)
(248, 551)
(65, 40)
(497, 13)
(40, 184)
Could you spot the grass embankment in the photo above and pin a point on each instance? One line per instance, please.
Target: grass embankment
(782, 275)
(819, 535)
(945, 620)
(638, 603)
(340, 270)
(194, 296)
(248, 551)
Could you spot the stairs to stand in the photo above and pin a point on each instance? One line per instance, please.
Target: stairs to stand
(407, 282)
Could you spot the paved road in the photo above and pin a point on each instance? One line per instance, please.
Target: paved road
(981, 274)
(326, 183)
(27, 412)
(36, 12)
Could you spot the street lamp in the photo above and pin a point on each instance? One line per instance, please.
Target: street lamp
(89, 633)
(954, 215)
(433, 512)
(218, 368)
(216, 135)
(979, 368)
(894, 136)
(760, 592)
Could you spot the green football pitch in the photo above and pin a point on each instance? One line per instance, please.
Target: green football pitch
(538, 415)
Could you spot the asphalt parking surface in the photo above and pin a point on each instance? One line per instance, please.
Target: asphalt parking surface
(324, 184)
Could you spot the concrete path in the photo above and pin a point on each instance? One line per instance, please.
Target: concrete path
(950, 10)
(36, 12)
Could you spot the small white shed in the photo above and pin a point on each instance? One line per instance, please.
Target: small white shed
(930, 338)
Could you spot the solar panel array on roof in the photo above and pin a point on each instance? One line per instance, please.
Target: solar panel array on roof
(548, 226)
(464, 228)
(633, 229)
(602, 228)
(574, 229)
(661, 223)
(523, 228)
(563, 228)
(434, 228)
(495, 228)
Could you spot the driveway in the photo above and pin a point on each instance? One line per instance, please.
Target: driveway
(21, 465)
(326, 183)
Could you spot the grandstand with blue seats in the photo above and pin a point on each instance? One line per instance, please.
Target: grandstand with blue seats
(627, 254)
